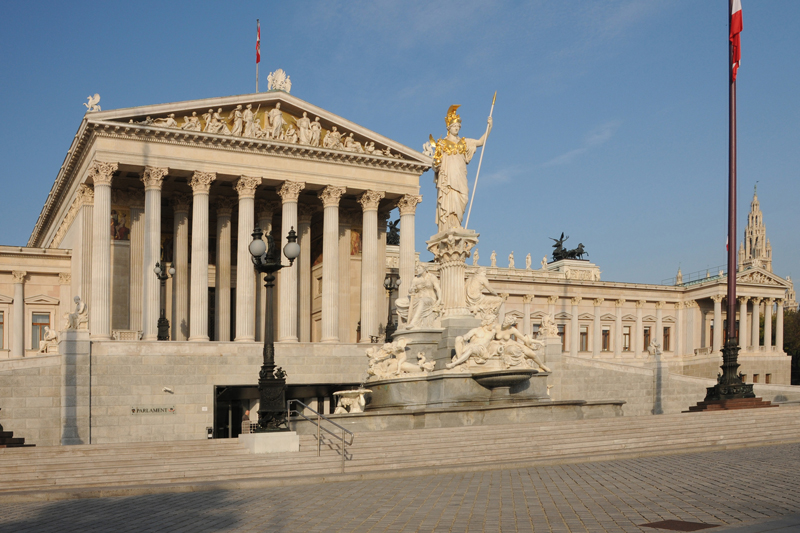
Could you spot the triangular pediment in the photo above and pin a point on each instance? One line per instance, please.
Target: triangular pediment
(6, 299)
(668, 319)
(608, 316)
(759, 276)
(563, 316)
(586, 316)
(629, 318)
(185, 118)
(41, 299)
(538, 315)
(649, 318)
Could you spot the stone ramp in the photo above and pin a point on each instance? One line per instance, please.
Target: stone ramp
(126, 469)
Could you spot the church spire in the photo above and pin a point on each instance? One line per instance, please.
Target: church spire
(757, 249)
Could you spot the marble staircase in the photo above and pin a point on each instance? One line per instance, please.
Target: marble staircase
(126, 469)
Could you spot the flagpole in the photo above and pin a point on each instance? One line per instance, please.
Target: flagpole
(258, 49)
(480, 160)
(731, 308)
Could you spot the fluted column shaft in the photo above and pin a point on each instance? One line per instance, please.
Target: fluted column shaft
(369, 265)
(779, 327)
(716, 341)
(137, 267)
(743, 322)
(677, 346)
(659, 336)
(597, 332)
(755, 319)
(287, 318)
(407, 207)
(346, 328)
(245, 278)
(574, 337)
(180, 281)
(100, 307)
(618, 328)
(222, 281)
(151, 286)
(198, 312)
(330, 197)
(304, 273)
(768, 324)
(526, 308)
(638, 336)
(264, 212)
(551, 306)
(18, 324)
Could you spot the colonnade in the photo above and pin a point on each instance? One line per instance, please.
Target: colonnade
(190, 283)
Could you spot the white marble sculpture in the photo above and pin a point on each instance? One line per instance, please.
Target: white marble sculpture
(351, 401)
(249, 119)
(303, 125)
(493, 259)
(544, 263)
(528, 262)
(450, 159)
(422, 307)
(168, 122)
(654, 349)
(548, 328)
(290, 135)
(482, 305)
(215, 123)
(351, 145)
(237, 116)
(390, 361)
(428, 149)
(279, 81)
(370, 147)
(316, 129)
(475, 257)
(333, 139)
(80, 318)
(511, 260)
(503, 345)
(91, 105)
(276, 122)
(50, 342)
(191, 123)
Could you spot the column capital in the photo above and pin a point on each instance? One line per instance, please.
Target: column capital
(180, 202)
(331, 195)
(290, 191)
(153, 177)
(678, 305)
(691, 303)
(779, 301)
(527, 298)
(552, 299)
(304, 213)
(619, 303)
(769, 301)
(407, 204)
(247, 185)
(201, 182)
(265, 208)
(224, 206)
(18, 276)
(85, 195)
(640, 303)
(576, 300)
(756, 300)
(717, 298)
(369, 200)
(743, 299)
(598, 301)
(64, 278)
(660, 304)
(102, 172)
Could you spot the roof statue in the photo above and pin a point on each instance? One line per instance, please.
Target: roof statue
(279, 81)
(91, 105)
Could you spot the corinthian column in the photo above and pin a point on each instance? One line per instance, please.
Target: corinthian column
(100, 308)
(198, 312)
(180, 256)
(597, 329)
(659, 333)
(330, 197)
(152, 179)
(245, 280)
(526, 312)
(754, 334)
(574, 337)
(222, 291)
(779, 327)
(618, 328)
(264, 211)
(369, 265)
(717, 338)
(677, 348)
(768, 324)
(638, 337)
(287, 321)
(137, 260)
(743, 322)
(346, 327)
(407, 207)
(18, 324)
(304, 272)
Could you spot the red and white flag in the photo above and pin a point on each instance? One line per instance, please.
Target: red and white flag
(258, 42)
(736, 28)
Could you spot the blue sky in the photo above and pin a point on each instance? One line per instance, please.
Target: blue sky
(610, 123)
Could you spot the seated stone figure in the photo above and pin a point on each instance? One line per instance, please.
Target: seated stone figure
(474, 344)
(421, 308)
(50, 342)
(80, 318)
(482, 305)
(390, 361)
(517, 348)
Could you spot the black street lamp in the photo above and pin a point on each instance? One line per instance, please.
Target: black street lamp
(391, 283)
(271, 379)
(163, 323)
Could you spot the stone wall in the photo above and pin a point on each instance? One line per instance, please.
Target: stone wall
(30, 398)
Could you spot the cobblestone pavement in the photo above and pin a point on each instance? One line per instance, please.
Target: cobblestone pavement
(745, 490)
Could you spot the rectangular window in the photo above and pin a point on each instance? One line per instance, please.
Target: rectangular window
(666, 346)
(755, 378)
(744, 378)
(626, 339)
(535, 329)
(767, 378)
(561, 333)
(646, 337)
(584, 338)
(40, 320)
(606, 338)
(2, 330)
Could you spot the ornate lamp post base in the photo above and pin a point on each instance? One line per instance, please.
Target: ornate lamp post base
(163, 329)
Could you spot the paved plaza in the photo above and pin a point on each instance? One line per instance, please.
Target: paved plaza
(744, 490)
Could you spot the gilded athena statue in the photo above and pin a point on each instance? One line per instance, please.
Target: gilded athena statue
(450, 159)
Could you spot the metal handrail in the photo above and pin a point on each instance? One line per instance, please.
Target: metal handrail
(320, 416)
